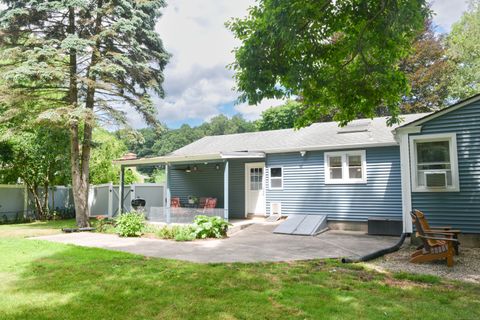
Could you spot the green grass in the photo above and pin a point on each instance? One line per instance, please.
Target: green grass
(39, 228)
(42, 280)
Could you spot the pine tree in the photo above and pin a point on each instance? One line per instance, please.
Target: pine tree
(81, 62)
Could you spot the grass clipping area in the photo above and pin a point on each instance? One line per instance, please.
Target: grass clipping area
(42, 280)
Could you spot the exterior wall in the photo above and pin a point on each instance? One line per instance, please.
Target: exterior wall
(237, 187)
(206, 182)
(305, 192)
(458, 209)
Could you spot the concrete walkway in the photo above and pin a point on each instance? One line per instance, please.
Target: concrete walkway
(256, 243)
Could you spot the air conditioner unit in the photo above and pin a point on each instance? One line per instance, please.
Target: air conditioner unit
(435, 179)
(275, 208)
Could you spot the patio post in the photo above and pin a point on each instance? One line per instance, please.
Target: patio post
(121, 189)
(225, 191)
(167, 194)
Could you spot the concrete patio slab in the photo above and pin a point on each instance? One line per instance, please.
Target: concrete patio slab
(257, 243)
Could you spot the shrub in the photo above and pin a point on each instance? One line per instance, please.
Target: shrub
(177, 232)
(185, 233)
(130, 224)
(210, 227)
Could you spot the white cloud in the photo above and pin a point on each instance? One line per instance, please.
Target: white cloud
(448, 12)
(197, 81)
(252, 112)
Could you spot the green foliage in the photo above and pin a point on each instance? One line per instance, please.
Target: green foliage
(341, 57)
(77, 63)
(40, 158)
(210, 227)
(177, 232)
(106, 148)
(428, 73)
(464, 51)
(186, 233)
(151, 142)
(203, 227)
(282, 117)
(130, 224)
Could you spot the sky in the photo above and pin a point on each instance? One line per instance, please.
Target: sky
(197, 82)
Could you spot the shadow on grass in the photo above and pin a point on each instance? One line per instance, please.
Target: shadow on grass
(69, 282)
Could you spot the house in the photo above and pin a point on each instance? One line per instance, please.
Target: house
(366, 169)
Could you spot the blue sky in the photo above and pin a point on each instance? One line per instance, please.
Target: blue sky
(198, 84)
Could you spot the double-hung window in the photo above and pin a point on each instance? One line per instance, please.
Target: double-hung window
(276, 178)
(434, 162)
(346, 167)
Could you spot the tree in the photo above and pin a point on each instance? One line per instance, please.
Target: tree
(464, 51)
(281, 117)
(40, 158)
(340, 56)
(106, 148)
(428, 73)
(82, 61)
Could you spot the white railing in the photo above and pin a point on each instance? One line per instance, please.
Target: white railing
(181, 215)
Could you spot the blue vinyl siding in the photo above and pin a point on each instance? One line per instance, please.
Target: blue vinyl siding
(305, 192)
(206, 182)
(458, 209)
(237, 187)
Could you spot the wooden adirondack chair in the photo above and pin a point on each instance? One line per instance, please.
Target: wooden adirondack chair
(437, 231)
(434, 247)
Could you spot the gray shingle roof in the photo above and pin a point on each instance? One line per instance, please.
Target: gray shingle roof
(317, 136)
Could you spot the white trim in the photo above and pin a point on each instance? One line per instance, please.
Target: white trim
(345, 173)
(270, 178)
(252, 154)
(405, 178)
(332, 147)
(452, 138)
(249, 165)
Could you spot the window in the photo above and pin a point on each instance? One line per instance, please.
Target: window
(434, 162)
(256, 179)
(345, 167)
(276, 178)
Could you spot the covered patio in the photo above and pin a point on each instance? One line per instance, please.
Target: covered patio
(211, 185)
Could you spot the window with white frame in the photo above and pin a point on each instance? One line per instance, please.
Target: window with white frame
(434, 162)
(346, 167)
(276, 178)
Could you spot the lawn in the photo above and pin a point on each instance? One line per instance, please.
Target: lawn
(42, 280)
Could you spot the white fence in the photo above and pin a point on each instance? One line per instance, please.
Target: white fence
(15, 201)
(104, 199)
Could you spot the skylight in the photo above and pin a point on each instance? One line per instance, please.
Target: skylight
(355, 126)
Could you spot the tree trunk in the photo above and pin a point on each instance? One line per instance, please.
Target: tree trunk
(79, 190)
(45, 200)
(37, 201)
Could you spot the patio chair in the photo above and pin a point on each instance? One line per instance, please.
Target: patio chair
(210, 203)
(436, 231)
(202, 201)
(434, 247)
(175, 202)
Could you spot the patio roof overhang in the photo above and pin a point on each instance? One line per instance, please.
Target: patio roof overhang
(191, 158)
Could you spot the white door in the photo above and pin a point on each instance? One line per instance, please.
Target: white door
(255, 188)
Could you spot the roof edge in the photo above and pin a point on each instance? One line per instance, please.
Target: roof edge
(441, 112)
